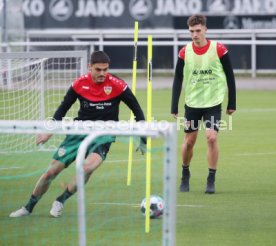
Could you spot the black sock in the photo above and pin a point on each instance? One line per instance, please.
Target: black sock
(31, 203)
(64, 196)
(185, 171)
(212, 175)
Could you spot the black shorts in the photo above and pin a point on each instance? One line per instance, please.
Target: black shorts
(193, 116)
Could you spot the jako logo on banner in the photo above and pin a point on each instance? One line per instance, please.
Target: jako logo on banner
(61, 10)
(214, 6)
(140, 9)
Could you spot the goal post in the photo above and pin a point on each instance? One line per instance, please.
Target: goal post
(163, 129)
(32, 85)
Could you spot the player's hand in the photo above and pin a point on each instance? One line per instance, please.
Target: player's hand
(142, 146)
(175, 115)
(42, 138)
(230, 111)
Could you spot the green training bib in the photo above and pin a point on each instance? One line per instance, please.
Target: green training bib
(204, 78)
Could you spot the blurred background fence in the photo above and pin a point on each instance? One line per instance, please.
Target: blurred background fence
(247, 28)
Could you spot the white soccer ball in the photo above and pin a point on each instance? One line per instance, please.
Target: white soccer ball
(156, 206)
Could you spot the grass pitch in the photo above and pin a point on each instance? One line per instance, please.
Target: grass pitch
(242, 212)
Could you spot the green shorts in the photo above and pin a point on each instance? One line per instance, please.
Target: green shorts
(68, 149)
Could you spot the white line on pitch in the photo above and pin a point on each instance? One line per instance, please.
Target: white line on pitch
(125, 160)
(7, 168)
(250, 110)
(260, 153)
(138, 205)
(115, 204)
(190, 206)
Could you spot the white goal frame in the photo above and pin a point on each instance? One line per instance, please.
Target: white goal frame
(49, 54)
(166, 130)
(44, 55)
(48, 75)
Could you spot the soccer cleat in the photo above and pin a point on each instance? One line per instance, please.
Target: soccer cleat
(20, 213)
(185, 184)
(56, 210)
(210, 187)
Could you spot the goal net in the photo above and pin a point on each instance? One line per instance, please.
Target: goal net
(103, 212)
(32, 85)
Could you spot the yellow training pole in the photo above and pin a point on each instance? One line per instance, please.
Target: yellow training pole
(149, 116)
(133, 87)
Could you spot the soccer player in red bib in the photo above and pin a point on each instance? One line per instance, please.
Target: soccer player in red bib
(205, 67)
(99, 94)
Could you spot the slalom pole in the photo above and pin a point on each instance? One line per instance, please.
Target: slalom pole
(133, 88)
(149, 116)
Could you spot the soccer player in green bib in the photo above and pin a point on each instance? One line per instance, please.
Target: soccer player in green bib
(205, 68)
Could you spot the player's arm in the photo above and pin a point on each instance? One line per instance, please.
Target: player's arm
(130, 100)
(230, 78)
(177, 86)
(68, 101)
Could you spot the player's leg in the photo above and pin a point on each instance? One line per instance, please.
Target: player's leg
(92, 162)
(45, 180)
(212, 151)
(212, 158)
(212, 118)
(40, 189)
(65, 154)
(187, 154)
(188, 146)
(192, 120)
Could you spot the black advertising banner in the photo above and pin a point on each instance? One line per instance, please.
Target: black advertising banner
(232, 22)
(222, 14)
(92, 14)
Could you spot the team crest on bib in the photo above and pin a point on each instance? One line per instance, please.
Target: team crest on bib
(61, 152)
(107, 90)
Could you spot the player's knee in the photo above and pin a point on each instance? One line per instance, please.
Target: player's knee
(211, 139)
(188, 144)
(52, 172)
(88, 170)
(48, 177)
(90, 167)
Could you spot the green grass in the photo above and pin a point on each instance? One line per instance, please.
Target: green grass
(242, 212)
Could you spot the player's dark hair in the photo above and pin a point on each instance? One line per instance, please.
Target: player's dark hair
(197, 20)
(99, 57)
